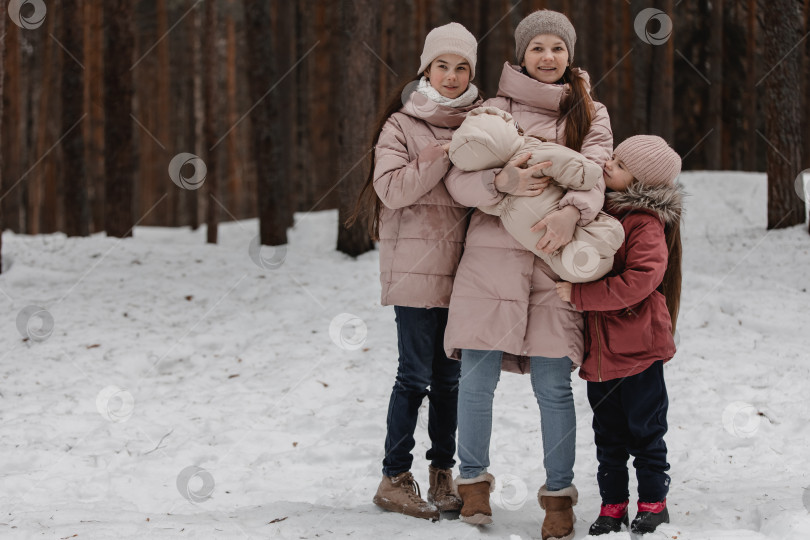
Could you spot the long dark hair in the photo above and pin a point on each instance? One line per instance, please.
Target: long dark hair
(577, 109)
(369, 203)
(671, 284)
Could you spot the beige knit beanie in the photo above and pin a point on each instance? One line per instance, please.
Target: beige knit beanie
(451, 38)
(649, 159)
(544, 21)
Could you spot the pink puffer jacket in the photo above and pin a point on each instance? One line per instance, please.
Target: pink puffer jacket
(421, 227)
(504, 296)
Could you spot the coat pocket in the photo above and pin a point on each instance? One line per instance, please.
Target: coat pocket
(630, 331)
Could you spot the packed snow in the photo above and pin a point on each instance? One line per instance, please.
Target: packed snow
(158, 387)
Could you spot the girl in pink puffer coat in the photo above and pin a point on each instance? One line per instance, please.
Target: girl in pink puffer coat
(421, 233)
(504, 305)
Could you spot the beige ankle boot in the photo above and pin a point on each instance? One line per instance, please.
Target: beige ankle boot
(401, 494)
(474, 493)
(559, 521)
(442, 491)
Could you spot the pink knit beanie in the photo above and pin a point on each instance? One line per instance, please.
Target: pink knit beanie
(649, 159)
(451, 38)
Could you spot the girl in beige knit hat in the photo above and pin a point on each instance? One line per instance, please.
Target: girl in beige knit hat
(631, 316)
(421, 229)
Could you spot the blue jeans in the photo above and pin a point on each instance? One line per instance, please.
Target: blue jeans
(424, 370)
(551, 381)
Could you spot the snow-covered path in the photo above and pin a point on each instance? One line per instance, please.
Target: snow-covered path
(176, 366)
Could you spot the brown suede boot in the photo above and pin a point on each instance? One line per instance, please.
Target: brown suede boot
(442, 492)
(474, 494)
(559, 521)
(401, 494)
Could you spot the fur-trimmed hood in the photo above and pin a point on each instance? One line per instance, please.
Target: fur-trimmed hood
(665, 201)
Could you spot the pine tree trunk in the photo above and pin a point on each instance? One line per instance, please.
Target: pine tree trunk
(195, 117)
(263, 66)
(51, 211)
(283, 16)
(211, 92)
(750, 100)
(357, 96)
(806, 94)
(496, 46)
(235, 195)
(596, 42)
(163, 125)
(13, 133)
(73, 170)
(783, 112)
(662, 92)
(642, 70)
(623, 129)
(118, 89)
(94, 106)
(2, 77)
(39, 131)
(715, 107)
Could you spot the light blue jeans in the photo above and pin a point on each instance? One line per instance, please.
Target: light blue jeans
(551, 381)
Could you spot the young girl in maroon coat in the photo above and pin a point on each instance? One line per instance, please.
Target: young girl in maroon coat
(630, 322)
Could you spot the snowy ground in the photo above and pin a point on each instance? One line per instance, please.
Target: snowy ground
(166, 354)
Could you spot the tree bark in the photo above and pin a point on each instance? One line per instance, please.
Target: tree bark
(263, 66)
(39, 132)
(211, 92)
(783, 112)
(235, 194)
(94, 107)
(73, 171)
(2, 77)
(357, 95)
(642, 69)
(118, 90)
(750, 100)
(13, 132)
(51, 210)
(806, 93)
(282, 19)
(714, 141)
(662, 92)
(623, 129)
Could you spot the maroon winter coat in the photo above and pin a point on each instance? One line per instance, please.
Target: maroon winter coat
(627, 324)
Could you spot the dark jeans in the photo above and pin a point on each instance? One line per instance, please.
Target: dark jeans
(630, 418)
(424, 370)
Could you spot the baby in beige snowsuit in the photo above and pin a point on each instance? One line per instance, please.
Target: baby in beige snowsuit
(489, 138)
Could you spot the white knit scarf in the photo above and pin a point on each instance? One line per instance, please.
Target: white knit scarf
(467, 98)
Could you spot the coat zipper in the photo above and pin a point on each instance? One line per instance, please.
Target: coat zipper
(598, 349)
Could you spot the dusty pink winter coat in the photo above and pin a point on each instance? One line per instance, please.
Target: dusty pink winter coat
(504, 297)
(421, 227)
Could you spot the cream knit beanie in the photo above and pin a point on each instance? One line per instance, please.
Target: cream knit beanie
(544, 21)
(451, 38)
(649, 159)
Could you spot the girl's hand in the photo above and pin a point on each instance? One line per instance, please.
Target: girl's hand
(559, 226)
(522, 182)
(446, 148)
(564, 291)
